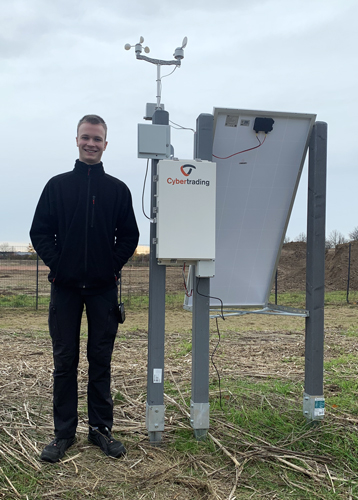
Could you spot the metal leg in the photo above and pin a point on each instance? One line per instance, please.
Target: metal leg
(199, 407)
(313, 400)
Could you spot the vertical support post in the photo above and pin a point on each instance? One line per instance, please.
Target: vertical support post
(313, 399)
(156, 317)
(199, 405)
(37, 281)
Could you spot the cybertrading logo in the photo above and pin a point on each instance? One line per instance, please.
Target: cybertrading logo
(187, 166)
(186, 170)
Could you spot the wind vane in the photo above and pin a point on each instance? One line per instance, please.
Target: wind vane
(178, 56)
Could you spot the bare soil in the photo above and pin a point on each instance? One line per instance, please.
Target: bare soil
(292, 267)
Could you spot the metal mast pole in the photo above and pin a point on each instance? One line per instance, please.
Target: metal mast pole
(158, 86)
(156, 317)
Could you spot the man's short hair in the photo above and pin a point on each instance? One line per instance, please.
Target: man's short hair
(95, 120)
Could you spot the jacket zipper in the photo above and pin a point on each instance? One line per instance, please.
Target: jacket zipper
(93, 202)
(86, 228)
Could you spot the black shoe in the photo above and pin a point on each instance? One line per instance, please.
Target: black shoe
(103, 438)
(54, 451)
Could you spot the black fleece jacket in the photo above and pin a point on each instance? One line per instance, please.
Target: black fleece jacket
(84, 228)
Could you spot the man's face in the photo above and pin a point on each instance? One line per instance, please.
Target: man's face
(91, 142)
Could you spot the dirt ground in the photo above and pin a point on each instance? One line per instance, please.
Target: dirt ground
(292, 267)
(266, 339)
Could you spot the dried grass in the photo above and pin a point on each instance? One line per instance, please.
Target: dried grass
(220, 471)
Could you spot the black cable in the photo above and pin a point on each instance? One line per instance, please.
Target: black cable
(144, 183)
(211, 297)
(217, 327)
(214, 365)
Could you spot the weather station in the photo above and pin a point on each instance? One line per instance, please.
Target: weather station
(177, 184)
(240, 187)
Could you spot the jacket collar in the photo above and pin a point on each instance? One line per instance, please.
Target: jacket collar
(84, 168)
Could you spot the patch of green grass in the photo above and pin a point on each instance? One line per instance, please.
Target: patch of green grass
(260, 406)
(174, 300)
(257, 418)
(351, 332)
(22, 301)
(132, 302)
(169, 387)
(348, 362)
(186, 443)
(25, 482)
(185, 348)
(341, 379)
(298, 299)
(137, 302)
(118, 398)
(335, 298)
(273, 413)
(292, 299)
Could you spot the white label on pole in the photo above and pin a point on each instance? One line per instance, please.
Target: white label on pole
(157, 375)
(319, 407)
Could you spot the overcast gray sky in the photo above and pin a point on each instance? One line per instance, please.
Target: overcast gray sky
(62, 59)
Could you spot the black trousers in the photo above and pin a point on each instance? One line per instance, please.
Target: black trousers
(65, 313)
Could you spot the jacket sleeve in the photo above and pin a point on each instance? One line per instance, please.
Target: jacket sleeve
(44, 229)
(126, 234)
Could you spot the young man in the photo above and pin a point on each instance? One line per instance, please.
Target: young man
(84, 229)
